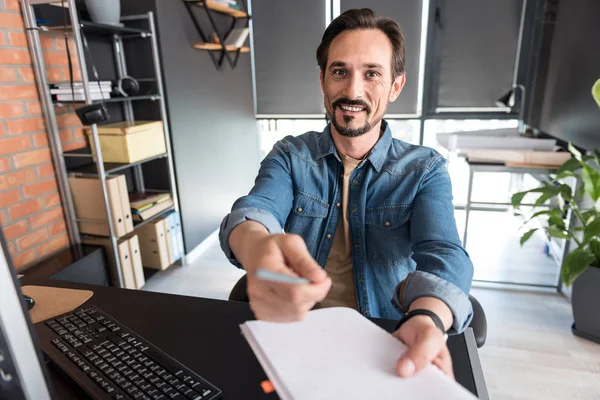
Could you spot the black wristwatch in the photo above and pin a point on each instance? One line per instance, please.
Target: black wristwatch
(413, 313)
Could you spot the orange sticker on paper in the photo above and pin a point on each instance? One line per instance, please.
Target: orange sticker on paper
(267, 387)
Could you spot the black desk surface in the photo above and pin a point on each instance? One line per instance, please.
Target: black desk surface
(204, 335)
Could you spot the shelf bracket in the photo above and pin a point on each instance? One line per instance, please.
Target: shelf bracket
(224, 53)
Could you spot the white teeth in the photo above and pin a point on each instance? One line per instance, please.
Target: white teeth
(348, 108)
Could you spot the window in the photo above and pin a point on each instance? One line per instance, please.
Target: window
(487, 187)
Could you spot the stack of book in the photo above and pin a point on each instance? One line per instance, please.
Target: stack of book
(147, 205)
(227, 3)
(237, 37)
(99, 90)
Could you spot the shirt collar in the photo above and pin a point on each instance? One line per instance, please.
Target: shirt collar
(326, 146)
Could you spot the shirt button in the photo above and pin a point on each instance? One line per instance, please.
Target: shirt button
(366, 313)
(354, 211)
(356, 246)
(355, 182)
(329, 236)
(337, 204)
(299, 209)
(387, 223)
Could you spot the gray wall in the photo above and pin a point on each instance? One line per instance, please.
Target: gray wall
(213, 127)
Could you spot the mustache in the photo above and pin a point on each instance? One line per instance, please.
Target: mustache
(349, 102)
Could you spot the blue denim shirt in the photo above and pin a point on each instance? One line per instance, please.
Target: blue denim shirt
(404, 236)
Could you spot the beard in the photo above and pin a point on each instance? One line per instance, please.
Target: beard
(346, 130)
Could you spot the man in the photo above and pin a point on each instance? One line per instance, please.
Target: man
(368, 219)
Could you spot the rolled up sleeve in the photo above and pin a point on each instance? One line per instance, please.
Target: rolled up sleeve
(268, 203)
(238, 216)
(443, 267)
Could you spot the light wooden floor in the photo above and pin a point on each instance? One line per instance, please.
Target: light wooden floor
(530, 352)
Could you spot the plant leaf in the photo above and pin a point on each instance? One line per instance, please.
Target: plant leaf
(556, 221)
(556, 232)
(593, 229)
(552, 191)
(542, 199)
(591, 181)
(595, 248)
(565, 174)
(527, 235)
(589, 216)
(575, 152)
(571, 165)
(566, 192)
(574, 264)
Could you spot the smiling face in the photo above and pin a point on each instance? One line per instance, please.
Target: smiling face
(357, 83)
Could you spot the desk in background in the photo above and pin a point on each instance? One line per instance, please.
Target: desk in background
(204, 335)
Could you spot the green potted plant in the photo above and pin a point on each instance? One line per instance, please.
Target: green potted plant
(581, 267)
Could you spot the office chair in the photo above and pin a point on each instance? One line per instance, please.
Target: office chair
(478, 323)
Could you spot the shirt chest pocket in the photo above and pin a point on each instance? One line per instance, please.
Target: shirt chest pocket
(387, 235)
(388, 217)
(309, 206)
(307, 218)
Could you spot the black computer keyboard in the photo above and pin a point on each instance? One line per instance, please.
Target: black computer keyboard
(109, 361)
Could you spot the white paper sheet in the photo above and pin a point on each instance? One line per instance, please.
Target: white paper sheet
(336, 353)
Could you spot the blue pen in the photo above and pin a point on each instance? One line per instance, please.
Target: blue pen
(268, 275)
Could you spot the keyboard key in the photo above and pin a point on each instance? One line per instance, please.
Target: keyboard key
(154, 367)
(108, 389)
(206, 392)
(84, 367)
(147, 374)
(146, 387)
(118, 396)
(183, 388)
(193, 395)
(126, 386)
(156, 395)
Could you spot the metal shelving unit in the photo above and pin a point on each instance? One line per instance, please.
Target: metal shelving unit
(99, 168)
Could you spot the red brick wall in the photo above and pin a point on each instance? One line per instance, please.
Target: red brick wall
(31, 214)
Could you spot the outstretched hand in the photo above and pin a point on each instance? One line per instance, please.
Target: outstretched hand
(426, 345)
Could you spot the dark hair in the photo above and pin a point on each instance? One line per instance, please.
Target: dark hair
(364, 19)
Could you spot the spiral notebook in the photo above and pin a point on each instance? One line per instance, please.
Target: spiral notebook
(336, 353)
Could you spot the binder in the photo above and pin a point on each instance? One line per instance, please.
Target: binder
(89, 205)
(136, 262)
(177, 234)
(170, 239)
(125, 207)
(126, 267)
(153, 245)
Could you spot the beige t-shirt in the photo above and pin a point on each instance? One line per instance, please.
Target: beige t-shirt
(339, 262)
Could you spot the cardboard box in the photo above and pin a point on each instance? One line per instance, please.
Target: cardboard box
(128, 142)
(153, 245)
(89, 205)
